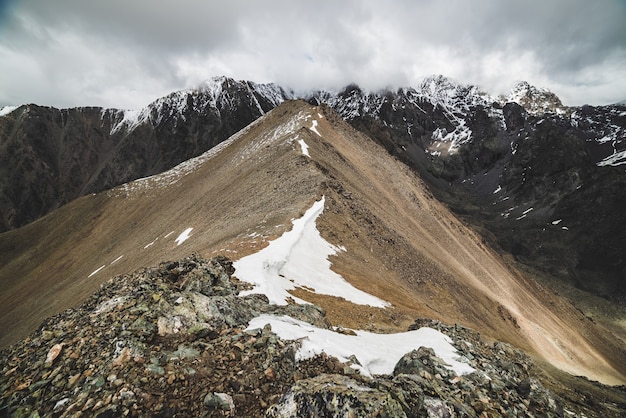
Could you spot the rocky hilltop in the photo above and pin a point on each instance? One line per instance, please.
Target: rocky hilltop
(175, 340)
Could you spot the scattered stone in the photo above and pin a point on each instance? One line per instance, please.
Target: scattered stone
(221, 401)
(437, 408)
(270, 373)
(153, 342)
(333, 396)
(73, 380)
(124, 356)
(53, 354)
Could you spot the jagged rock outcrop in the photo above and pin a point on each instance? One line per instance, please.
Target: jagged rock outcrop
(534, 100)
(172, 341)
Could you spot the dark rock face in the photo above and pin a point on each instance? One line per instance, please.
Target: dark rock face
(171, 340)
(49, 157)
(545, 181)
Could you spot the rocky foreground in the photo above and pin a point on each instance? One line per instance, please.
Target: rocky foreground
(172, 341)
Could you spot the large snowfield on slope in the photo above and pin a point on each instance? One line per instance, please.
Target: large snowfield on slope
(299, 258)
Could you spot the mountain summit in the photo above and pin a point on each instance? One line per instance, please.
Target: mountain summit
(533, 99)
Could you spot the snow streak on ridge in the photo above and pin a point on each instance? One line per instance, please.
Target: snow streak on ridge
(299, 258)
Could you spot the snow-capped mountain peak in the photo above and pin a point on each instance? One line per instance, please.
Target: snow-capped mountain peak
(5, 110)
(535, 100)
(447, 91)
(211, 96)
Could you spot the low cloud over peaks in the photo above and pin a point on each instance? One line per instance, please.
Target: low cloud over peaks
(120, 54)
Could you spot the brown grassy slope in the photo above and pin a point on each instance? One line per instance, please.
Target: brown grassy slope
(402, 245)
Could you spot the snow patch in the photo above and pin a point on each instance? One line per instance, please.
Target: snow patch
(314, 127)
(299, 258)
(377, 353)
(558, 221)
(459, 136)
(184, 236)
(130, 120)
(96, 270)
(5, 110)
(615, 159)
(305, 147)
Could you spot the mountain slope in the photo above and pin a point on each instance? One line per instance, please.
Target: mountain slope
(188, 343)
(541, 181)
(49, 157)
(401, 244)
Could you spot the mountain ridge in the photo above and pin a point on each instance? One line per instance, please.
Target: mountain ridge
(52, 156)
(544, 187)
(468, 154)
(431, 263)
(242, 102)
(463, 142)
(193, 336)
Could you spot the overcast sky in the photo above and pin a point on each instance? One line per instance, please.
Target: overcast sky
(126, 53)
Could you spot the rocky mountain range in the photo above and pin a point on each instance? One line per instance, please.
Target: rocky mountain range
(49, 157)
(544, 181)
(531, 253)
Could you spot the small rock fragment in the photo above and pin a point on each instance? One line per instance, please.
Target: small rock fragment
(122, 358)
(270, 373)
(53, 354)
(219, 401)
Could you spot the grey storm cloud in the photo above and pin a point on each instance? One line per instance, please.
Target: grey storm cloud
(127, 53)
